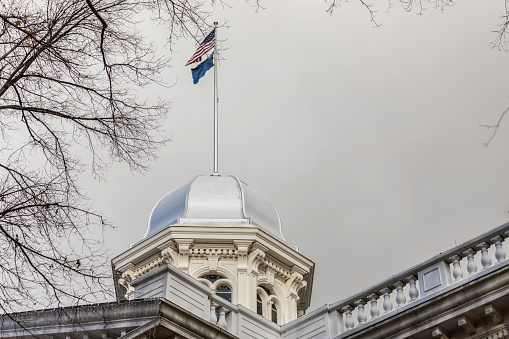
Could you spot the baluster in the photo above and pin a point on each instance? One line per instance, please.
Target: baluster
(213, 315)
(400, 296)
(485, 258)
(222, 318)
(457, 272)
(499, 250)
(413, 292)
(387, 299)
(374, 311)
(361, 314)
(349, 323)
(471, 265)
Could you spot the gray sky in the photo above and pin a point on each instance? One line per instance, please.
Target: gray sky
(367, 140)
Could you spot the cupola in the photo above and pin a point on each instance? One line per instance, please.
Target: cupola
(227, 236)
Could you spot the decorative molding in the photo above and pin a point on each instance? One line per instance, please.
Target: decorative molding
(257, 245)
(184, 246)
(255, 258)
(439, 333)
(494, 313)
(221, 252)
(242, 253)
(154, 263)
(169, 254)
(279, 271)
(467, 324)
(270, 273)
(497, 335)
(213, 262)
(295, 284)
(124, 281)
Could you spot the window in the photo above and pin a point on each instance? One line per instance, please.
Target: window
(266, 304)
(273, 313)
(224, 292)
(212, 277)
(259, 305)
(217, 284)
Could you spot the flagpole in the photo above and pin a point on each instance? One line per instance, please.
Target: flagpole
(216, 106)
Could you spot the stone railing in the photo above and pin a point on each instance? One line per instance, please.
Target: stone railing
(219, 309)
(456, 266)
(194, 296)
(238, 320)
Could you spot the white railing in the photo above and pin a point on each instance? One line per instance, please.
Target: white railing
(401, 290)
(237, 319)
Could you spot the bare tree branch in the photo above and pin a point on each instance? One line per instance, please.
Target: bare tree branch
(70, 74)
(495, 127)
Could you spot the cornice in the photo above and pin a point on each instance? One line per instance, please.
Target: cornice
(212, 234)
(280, 271)
(218, 240)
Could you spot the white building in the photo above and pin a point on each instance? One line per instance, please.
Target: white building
(214, 263)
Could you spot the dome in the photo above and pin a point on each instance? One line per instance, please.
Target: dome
(215, 200)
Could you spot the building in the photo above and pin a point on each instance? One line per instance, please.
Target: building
(214, 263)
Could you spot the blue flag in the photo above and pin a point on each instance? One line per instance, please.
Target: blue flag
(200, 70)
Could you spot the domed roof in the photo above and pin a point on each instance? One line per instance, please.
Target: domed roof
(215, 200)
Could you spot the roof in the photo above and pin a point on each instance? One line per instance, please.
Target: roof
(157, 317)
(215, 200)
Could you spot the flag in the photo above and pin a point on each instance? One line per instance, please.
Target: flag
(205, 46)
(200, 70)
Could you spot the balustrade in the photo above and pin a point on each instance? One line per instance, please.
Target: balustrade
(413, 292)
(485, 258)
(222, 318)
(471, 265)
(349, 322)
(387, 305)
(403, 289)
(457, 272)
(499, 250)
(218, 315)
(361, 314)
(374, 310)
(213, 313)
(400, 296)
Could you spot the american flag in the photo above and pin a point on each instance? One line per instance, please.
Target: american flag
(204, 47)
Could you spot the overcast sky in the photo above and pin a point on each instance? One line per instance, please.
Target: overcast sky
(366, 140)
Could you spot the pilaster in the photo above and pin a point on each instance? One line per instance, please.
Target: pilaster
(255, 258)
(242, 247)
(293, 286)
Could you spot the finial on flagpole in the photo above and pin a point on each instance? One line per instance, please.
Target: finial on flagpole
(216, 104)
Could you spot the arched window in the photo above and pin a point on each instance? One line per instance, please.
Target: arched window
(273, 313)
(267, 304)
(224, 292)
(259, 305)
(217, 284)
(212, 277)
